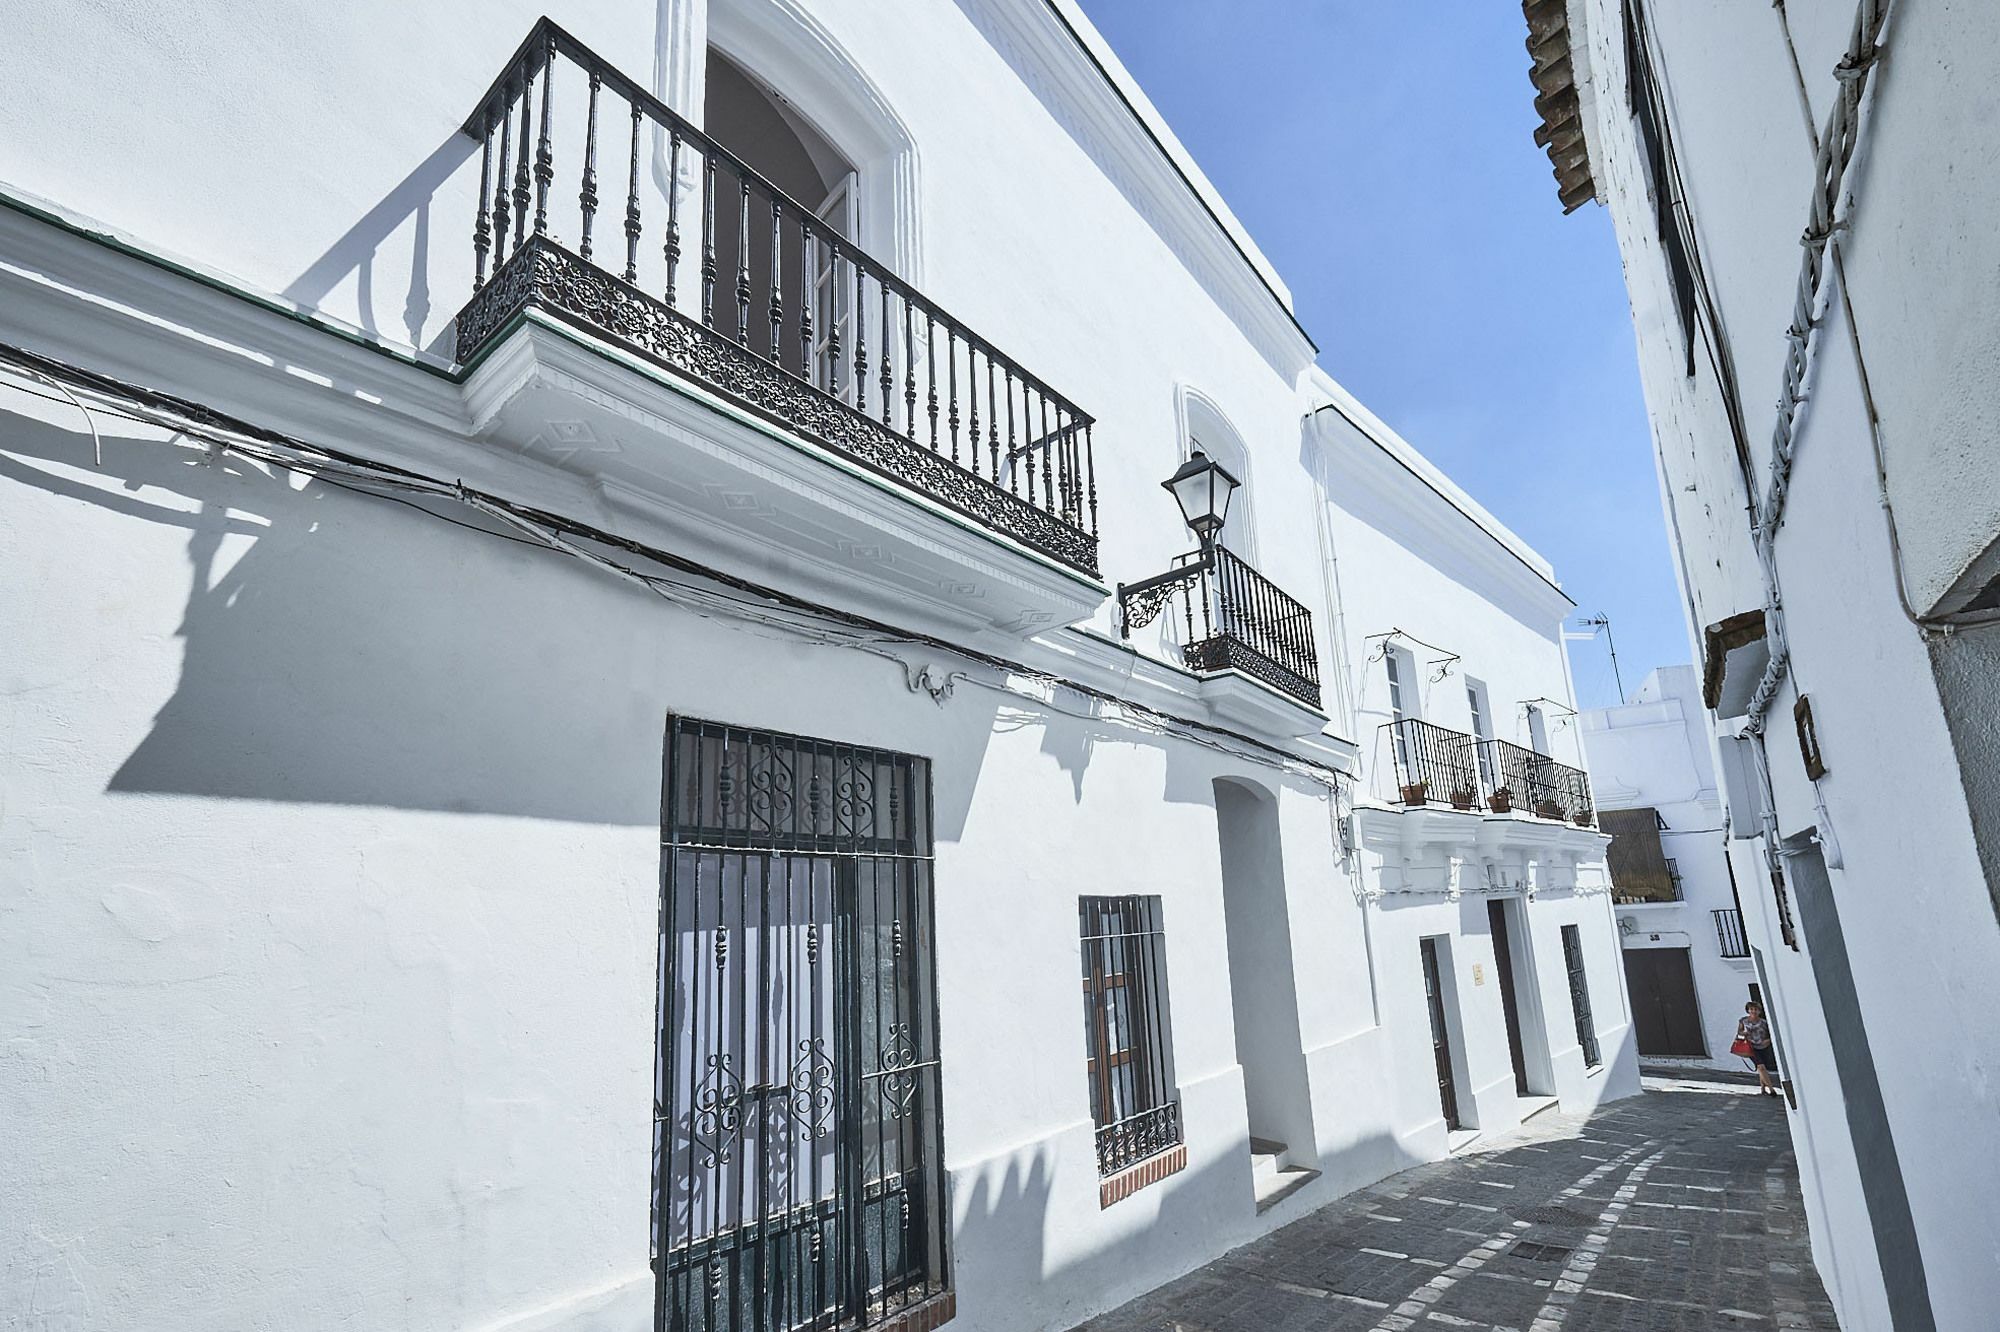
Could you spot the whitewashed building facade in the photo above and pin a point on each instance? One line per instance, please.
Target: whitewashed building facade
(1688, 971)
(575, 728)
(1801, 195)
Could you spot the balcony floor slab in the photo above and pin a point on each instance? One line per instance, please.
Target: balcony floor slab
(736, 492)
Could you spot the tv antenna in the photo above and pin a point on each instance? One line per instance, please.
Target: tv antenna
(1603, 621)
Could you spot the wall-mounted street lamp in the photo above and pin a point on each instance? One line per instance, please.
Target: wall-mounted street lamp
(1202, 487)
(1237, 619)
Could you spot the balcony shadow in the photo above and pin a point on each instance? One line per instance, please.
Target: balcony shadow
(339, 649)
(358, 251)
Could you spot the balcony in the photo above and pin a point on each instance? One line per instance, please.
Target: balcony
(749, 371)
(1236, 623)
(1436, 765)
(1729, 932)
(1437, 776)
(1433, 763)
(1520, 778)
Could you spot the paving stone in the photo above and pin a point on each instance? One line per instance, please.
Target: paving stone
(1672, 1210)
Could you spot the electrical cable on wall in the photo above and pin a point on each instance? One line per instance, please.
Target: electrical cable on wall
(1833, 152)
(1836, 150)
(748, 606)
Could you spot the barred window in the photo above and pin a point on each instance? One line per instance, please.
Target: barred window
(1130, 1045)
(798, 1155)
(1579, 995)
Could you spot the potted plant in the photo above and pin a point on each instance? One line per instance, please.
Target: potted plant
(1501, 801)
(1585, 817)
(1463, 797)
(1548, 809)
(1414, 792)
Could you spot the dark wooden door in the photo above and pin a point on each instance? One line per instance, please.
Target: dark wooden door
(1503, 962)
(1440, 1035)
(1665, 1018)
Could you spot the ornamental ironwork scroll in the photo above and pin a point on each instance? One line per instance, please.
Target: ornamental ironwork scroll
(811, 1097)
(717, 1123)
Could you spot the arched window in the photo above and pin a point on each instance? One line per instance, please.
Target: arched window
(1204, 427)
(755, 122)
(784, 94)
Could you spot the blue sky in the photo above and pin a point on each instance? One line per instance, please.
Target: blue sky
(1383, 156)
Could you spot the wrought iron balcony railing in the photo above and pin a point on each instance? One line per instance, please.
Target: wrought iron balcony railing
(708, 268)
(1519, 778)
(1729, 932)
(1570, 788)
(1432, 763)
(1234, 617)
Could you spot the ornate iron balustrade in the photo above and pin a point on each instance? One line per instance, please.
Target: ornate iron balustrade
(742, 287)
(1433, 763)
(1729, 932)
(1235, 618)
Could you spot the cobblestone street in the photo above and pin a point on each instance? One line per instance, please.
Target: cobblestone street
(1678, 1209)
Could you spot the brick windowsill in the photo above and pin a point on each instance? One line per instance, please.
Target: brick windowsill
(1149, 1171)
(933, 1312)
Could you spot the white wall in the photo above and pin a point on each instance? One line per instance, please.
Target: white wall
(333, 828)
(1917, 914)
(336, 867)
(1653, 752)
(325, 165)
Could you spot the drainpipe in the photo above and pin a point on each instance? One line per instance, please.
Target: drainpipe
(1329, 572)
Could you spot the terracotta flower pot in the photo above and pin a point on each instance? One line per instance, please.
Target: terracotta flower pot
(1463, 799)
(1549, 809)
(1501, 801)
(1414, 793)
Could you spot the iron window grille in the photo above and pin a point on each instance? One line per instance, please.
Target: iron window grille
(1130, 1045)
(798, 1166)
(1579, 995)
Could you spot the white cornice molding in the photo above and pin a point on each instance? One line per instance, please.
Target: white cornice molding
(1056, 52)
(1433, 850)
(1371, 477)
(1386, 437)
(1365, 475)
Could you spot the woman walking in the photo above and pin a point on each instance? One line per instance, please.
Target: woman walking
(1754, 1033)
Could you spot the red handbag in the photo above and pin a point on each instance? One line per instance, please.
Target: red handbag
(1741, 1047)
